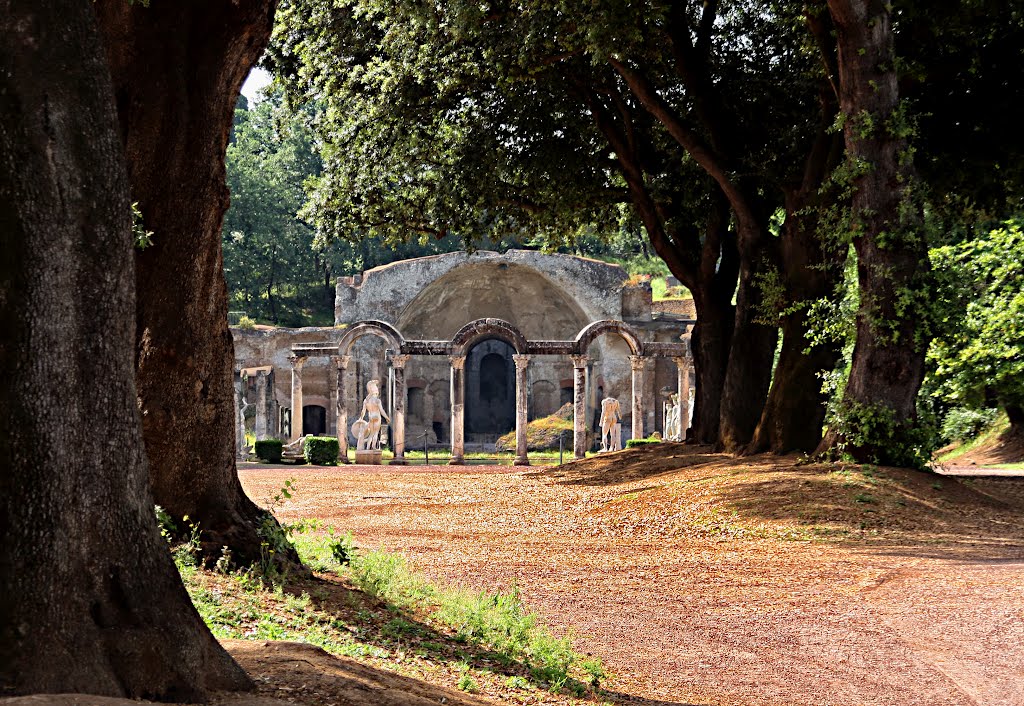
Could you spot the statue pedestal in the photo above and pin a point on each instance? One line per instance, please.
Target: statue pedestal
(368, 458)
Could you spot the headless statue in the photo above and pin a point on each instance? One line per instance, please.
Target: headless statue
(611, 428)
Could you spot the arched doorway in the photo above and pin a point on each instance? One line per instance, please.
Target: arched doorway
(314, 420)
(490, 391)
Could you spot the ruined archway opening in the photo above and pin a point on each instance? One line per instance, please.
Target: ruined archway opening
(314, 420)
(490, 391)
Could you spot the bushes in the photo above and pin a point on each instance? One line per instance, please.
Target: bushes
(321, 450)
(269, 450)
(633, 443)
(962, 423)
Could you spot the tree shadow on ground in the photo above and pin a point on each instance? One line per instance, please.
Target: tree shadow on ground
(629, 465)
(381, 624)
(902, 510)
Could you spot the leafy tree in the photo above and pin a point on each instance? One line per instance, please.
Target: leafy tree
(978, 361)
(92, 602)
(512, 117)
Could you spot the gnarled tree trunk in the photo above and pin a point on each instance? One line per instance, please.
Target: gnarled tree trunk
(178, 68)
(91, 599)
(795, 410)
(752, 352)
(892, 257)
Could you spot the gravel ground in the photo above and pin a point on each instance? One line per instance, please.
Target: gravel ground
(700, 618)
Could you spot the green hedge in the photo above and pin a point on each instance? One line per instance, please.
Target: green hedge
(269, 450)
(641, 442)
(321, 450)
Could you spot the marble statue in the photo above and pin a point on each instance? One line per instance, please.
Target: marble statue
(611, 426)
(367, 431)
(672, 427)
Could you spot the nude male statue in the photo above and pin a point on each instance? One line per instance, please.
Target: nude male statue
(611, 429)
(367, 432)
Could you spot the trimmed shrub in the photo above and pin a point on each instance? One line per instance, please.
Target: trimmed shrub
(321, 450)
(269, 450)
(633, 443)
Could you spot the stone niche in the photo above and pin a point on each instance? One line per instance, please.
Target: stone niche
(545, 297)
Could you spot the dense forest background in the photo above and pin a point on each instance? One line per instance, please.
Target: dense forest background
(281, 271)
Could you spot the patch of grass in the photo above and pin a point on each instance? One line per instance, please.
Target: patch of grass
(988, 436)
(660, 290)
(1009, 466)
(498, 621)
(487, 641)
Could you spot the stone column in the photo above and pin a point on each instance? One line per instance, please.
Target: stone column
(297, 363)
(458, 396)
(341, 411)
(261, 405)
(683, 386)
(398, 415)
(241, 450)
(522, 389)
(636, 362)
(579, 402)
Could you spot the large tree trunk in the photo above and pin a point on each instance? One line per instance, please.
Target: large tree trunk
(892, 264)
(178, 68)
(794, 413)
(748, 374)
(91, 599)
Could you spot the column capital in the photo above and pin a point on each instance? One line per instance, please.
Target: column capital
(637, 362)
(457, 361)
(579, 360)
(681, 360)
(521, 360)
(398, 360)
(342, 361)
(297, 361)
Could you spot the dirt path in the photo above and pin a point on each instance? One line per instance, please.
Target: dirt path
(703, 617)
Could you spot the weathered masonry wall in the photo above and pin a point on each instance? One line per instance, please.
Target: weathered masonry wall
(544, 297)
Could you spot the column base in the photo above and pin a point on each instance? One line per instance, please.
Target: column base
(457, 461)
(398, 462)
(521, 461)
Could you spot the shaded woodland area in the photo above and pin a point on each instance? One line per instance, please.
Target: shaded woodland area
(791, 164)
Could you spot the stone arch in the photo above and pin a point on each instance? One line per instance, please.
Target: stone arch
(476, 331)
(381, 329)
(599, 328)
(537, 303)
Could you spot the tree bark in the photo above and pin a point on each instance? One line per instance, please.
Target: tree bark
(748, 374)
(1015, 414)
(92, 602)
(892, 258)
(794, 413)
(177, 70)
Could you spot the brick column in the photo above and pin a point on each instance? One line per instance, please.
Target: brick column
(579, 408)
(241, 450)
(398, 414)
(521, 362)
(683, 386)
(458, 395)
(340, 409)
(297, 363)
(261, 405)
(636, 362)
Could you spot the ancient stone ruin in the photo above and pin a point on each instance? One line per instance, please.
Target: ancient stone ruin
(467, 347)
